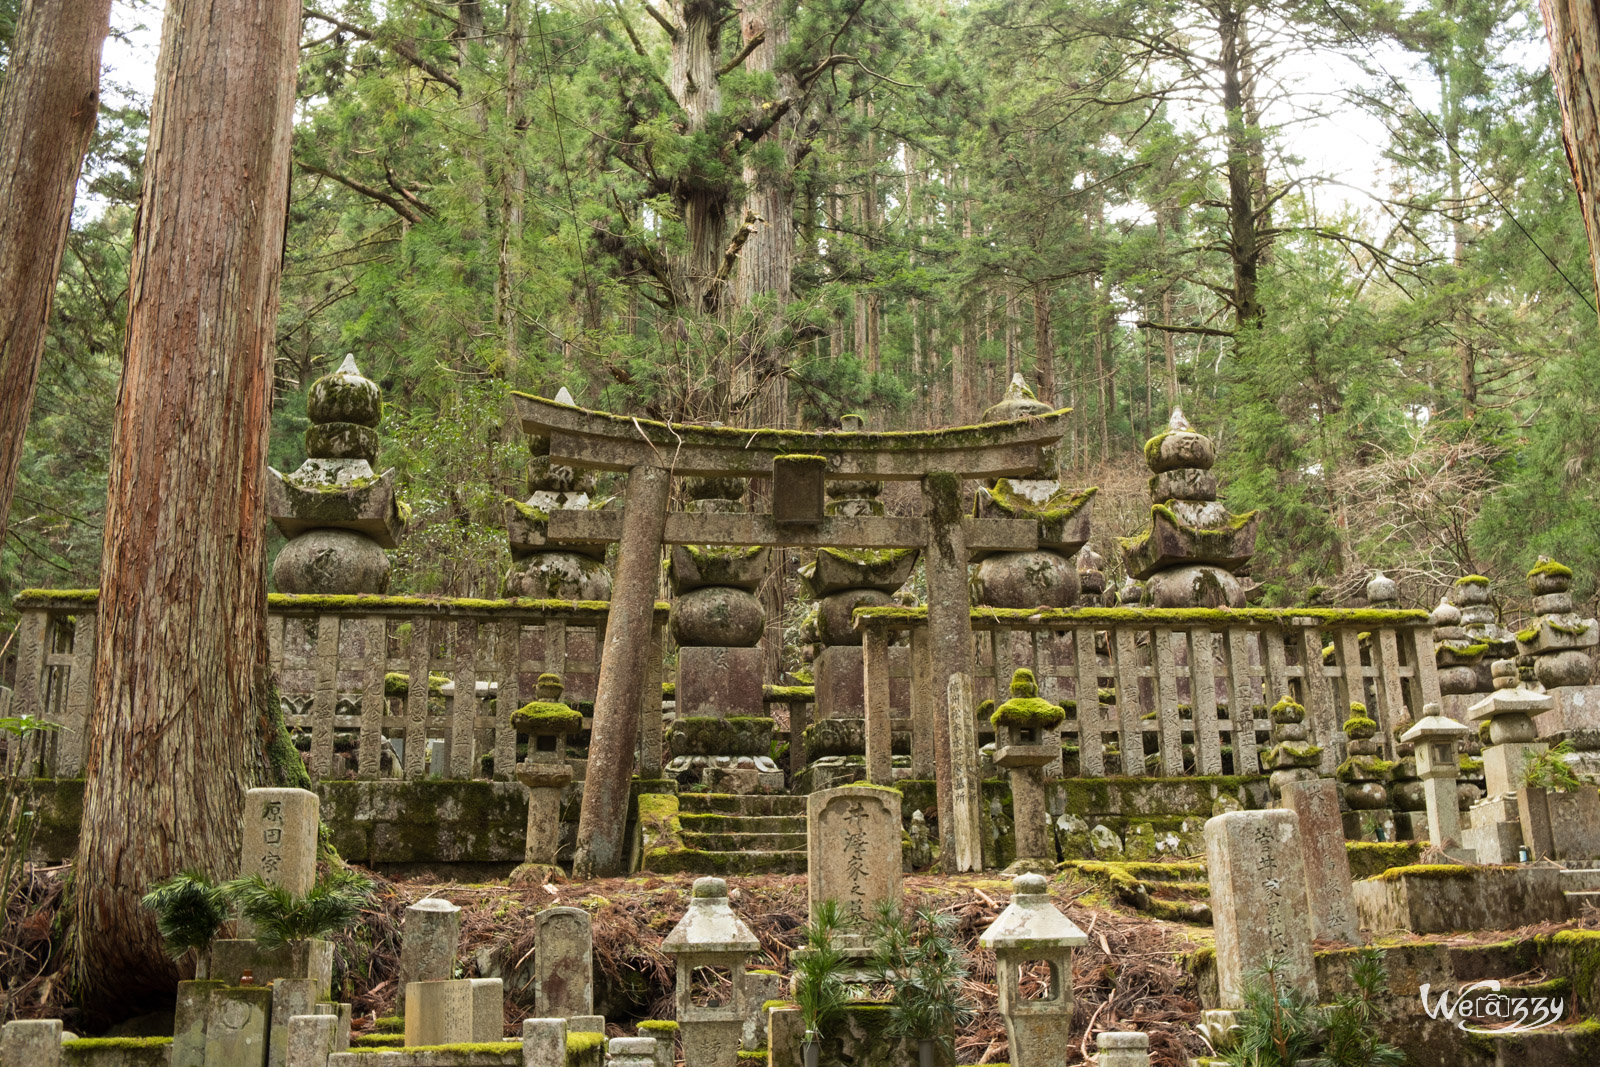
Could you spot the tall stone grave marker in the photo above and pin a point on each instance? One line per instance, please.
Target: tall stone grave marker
(1328, 894)
(563, 963)
(1258, 900)
(280, 837)
(853, 853)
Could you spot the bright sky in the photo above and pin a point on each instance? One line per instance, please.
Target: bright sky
(1345, 147)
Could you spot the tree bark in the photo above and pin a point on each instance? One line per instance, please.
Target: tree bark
(692, 77)
(47, 117)
(1244, 247)
(1044, 346)
(766, 266)
(1573, 27)
(181, 673)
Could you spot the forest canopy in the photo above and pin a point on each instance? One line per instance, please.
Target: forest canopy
(774, 213)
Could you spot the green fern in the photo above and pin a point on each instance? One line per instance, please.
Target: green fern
(190, 908)
(280, 916)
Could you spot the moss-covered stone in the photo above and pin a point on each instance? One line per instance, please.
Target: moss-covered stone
(542, 718)
(341, 440)
(714, 736)
(1028, 713)
(1365, 769)
(1371, 858)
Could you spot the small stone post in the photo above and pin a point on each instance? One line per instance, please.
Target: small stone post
(634, 1052)
(31, 1043)
(1031, 931)
(1126, 1049)
(710, 935)
(563, 965)
(439, 1013)
(1435, 737)
(544, 1042)
(312, 1039)
(1026, 741)
(1329, 897)
(428, 937)
(545, 774)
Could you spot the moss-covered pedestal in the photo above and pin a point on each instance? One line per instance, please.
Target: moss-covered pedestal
(546, 723)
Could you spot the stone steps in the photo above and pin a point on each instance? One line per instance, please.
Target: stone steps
(1172, 891)
(749, 824)
(745, 842)
(741, 804)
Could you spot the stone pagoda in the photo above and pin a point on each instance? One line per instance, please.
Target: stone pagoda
(540, 567)
(338, 515)
(1194, 546)
(1560, 644)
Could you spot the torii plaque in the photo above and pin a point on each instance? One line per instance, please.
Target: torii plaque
(798, 461)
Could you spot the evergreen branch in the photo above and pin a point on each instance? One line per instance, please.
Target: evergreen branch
(665, 23)
(1146, 324)
(403, 49)
(394, 183)
(735, 246)
(750, 46)
(399, 206)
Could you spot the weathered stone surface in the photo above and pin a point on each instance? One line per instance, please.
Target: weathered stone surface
(837, 569)
(1169, 542)
(1030, 931)
(331, 561)
(280, 837)
(544, 1042)
(30, 1043)
(335, 493)
(1126, 1049)
(1175, 449)
(1560, 825)
(559, 576)
(1258, 900)
(439, 1013)
(695, 566)
(744, 736)
(1328, 894)
(429, 935)
(1183, 483)
(231, 957)
(719, 682)
(1437, 899)
(488, 1009)
(563, 963)
(1200, 586)
(341, 440)
(1063, 515)
(1028, 580)
(345, 396)
(290, 997)
(189, 1015)
(312, 1039)
(718, 615)
(237, 1027)
(835, 614)
(1558, 669)
(641, 1052)
(853, 853)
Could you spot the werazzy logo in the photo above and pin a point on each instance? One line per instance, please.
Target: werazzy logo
(1482, 1008)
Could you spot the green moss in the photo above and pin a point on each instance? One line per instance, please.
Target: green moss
(1472, 579)
(901, 618)
(1371, 858)
(1364, 769)
(91, 1044)
(1027, 713)
(1360, 727)
(506, 1050)
(579, 1042)
(537, 516)
(659, 1026)
(359, 1041)
(780, 694)
(1023, 683)
(1063, 504)
(1431, 871)
(389, 1024)
(398, 684)
(1551, 568)
(1286, 712)
(39, 598)
(543, 718)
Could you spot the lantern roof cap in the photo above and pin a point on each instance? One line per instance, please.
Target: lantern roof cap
(710, 924)
(1031, 920)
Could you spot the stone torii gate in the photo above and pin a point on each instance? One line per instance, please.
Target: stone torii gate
(798, 462)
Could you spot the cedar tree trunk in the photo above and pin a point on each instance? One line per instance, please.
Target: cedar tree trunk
(1573, 27)
(47, 116)
(182, 667)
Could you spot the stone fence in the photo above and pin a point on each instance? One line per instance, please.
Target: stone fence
(376, 681)
(1176, 678)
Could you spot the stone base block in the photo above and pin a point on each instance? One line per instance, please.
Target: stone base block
(839, 693)
(1502, 765)
(1560, 826)
(237, 1025)
(1577, 707)
(1439, 899)
(1491, 839)
(230, 958)
(717, 736)
(439, 1013)
(726, 773)
(1410, 826)
(720, 682)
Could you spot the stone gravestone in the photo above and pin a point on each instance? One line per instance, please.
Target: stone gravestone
(563, 963)
(544, 1042)
(237, 1027)
(853, 846)
(280, 838)
(1258, 901)
(1329, 897)
(30, 1043)
(428, 937)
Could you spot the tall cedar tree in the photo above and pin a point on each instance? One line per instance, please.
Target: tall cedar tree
(182, 664)
(1573, 27)
(47, 115)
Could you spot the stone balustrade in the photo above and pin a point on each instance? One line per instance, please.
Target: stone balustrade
(1179, 676)
(372, 679)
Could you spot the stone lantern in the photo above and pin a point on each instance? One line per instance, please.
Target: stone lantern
(1031, 931)
(544, 772)
(711, 936)
(1027, 739)
(1435, 737)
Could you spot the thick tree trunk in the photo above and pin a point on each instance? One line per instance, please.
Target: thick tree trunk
(1573, 27)
(766, 266)
(182, 664)
(692, 77)
(514, 187)
(47, 116)
(1243, 246)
